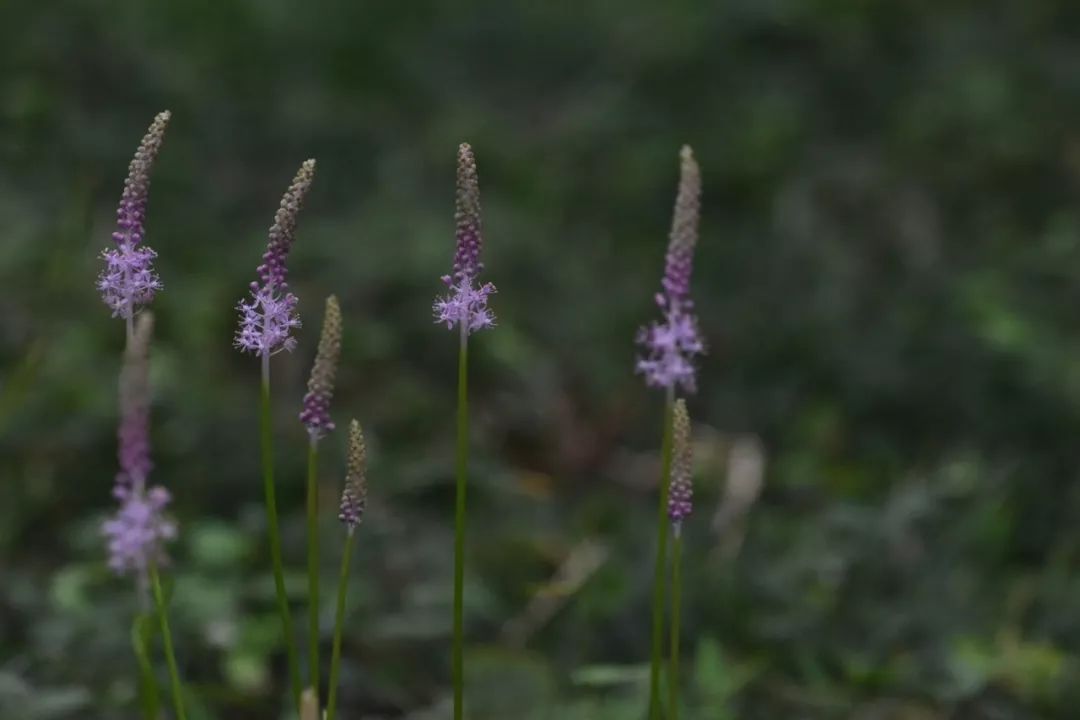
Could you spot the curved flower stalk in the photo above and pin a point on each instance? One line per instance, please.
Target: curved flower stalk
(680, 505)
(315, 416)
(269, 316)
(266, 323)
(465, 306)
(353, 504)
(670, 346)
(128, 280)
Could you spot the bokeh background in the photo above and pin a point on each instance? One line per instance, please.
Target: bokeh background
(889, 412)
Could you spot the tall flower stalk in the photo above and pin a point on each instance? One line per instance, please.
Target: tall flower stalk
(316, 418)
(661, 559)
(128, 280)
(353, 504)
(136, 535)
(137, 532)
(267, 319)
(166, 638)
(149, 696)
(680, 505)
(669, 347)
(464, 305)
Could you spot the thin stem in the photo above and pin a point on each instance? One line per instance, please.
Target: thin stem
(661, 559)
(166, 637)
(676, 602)
(149, 695)
(313, 564)
(459, 523)
(267, 437)
(339, 624)
(129, 324)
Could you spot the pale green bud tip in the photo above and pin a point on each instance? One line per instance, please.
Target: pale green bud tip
(684, 227)
(315, 414)
(354, 495)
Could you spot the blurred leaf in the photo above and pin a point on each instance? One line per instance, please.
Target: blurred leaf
(605, 675)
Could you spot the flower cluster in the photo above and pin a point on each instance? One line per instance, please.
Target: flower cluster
(671, 344)
(128, 280)
(138, 531)
(466, 303)
(269, 316)
(267, 321)
(465, 306)
(354, 495)
(681, 493)
(316, 412)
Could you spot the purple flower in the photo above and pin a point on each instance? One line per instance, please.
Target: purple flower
(466, 303)
(671, 344)
(128, 280)
(681, 492)
(354, 495)
(266, 321)
(465, 306)
(269, 316)
(137, 533)
(316, 412)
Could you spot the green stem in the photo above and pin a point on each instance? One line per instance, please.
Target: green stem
(166, 637)
(267, 436)
(149, 696)
(339, 624)
(313, 564)
(661, 559)
(676, 602)
(462, 470)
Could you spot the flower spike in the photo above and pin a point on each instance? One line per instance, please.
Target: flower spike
(681, 494)
(671, 345)
(316, 412)
(466, 303)
(268, 318)
(137, 533)
(128, 280)
(354, 495)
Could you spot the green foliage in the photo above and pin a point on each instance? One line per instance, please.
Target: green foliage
(886, 279)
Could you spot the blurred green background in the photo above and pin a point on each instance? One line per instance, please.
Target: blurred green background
(889, 413)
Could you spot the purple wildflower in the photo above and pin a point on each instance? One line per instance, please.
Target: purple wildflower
(316, 412)
(670, 345)
(128, 280)
(267, 319)
(138, 531)
(681, 493)
(466, 303)
(354, 495)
